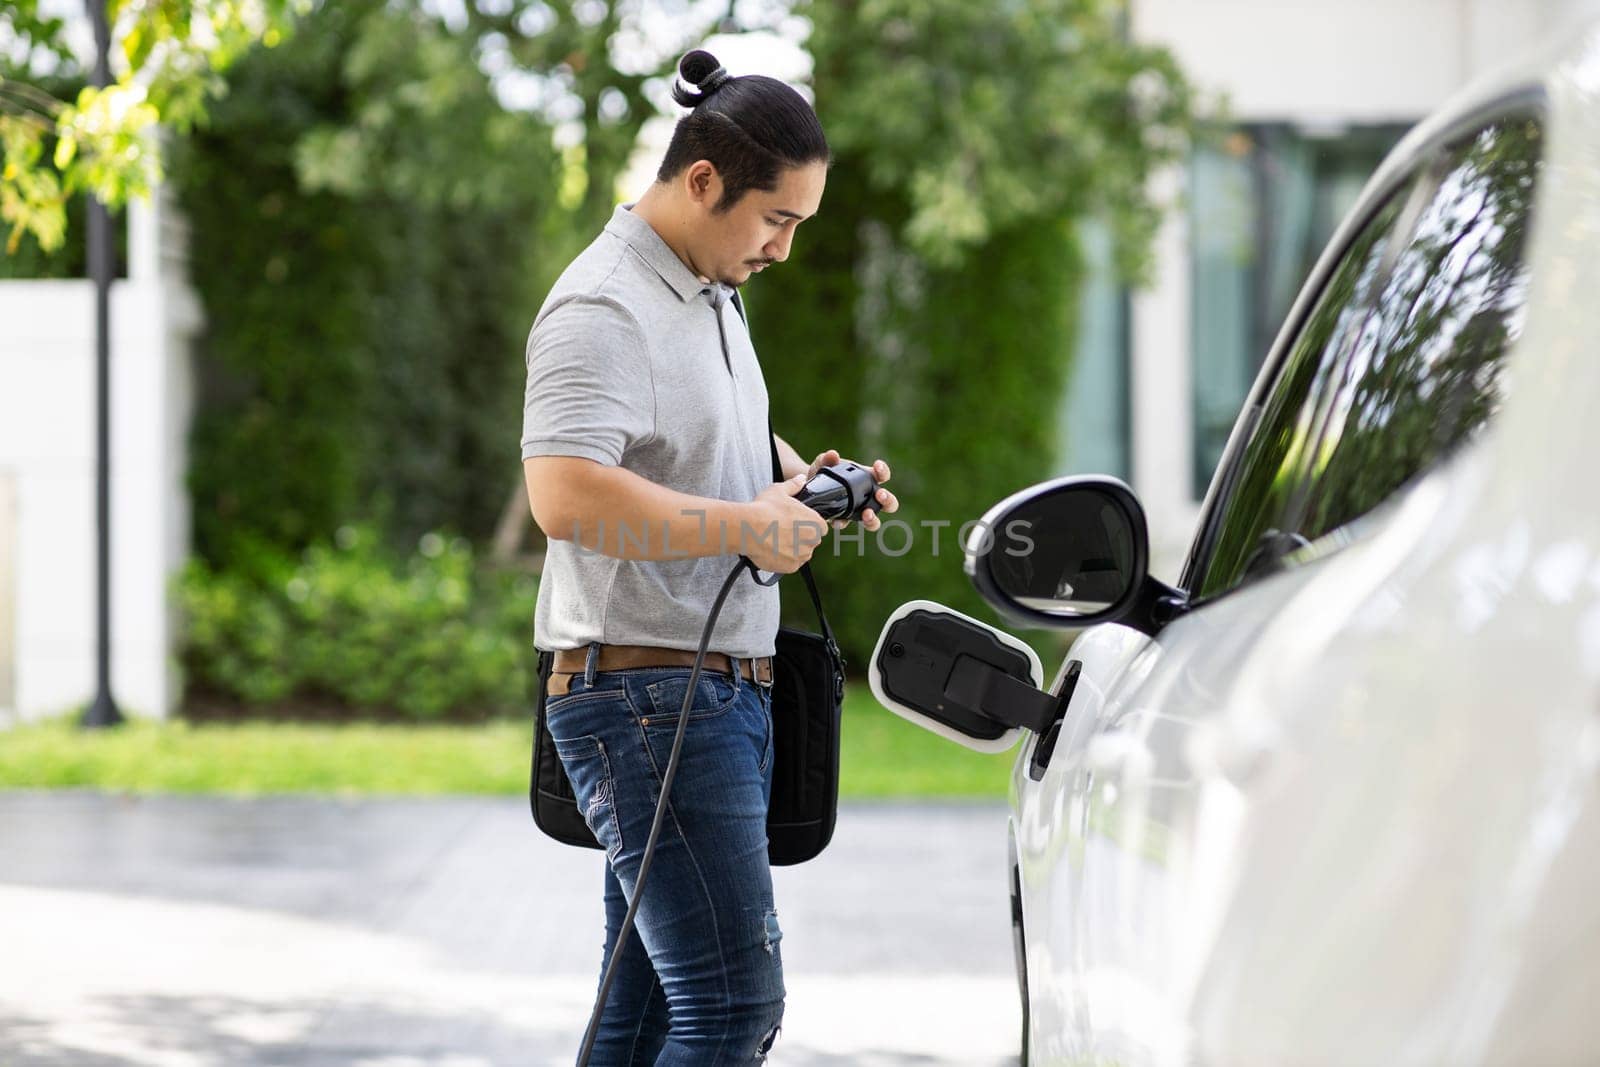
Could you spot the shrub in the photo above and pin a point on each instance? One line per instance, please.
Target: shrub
(350, 625)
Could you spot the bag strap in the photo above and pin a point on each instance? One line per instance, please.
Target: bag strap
(805, 568)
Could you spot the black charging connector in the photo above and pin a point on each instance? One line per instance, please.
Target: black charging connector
(1015, 702)
(996, 694)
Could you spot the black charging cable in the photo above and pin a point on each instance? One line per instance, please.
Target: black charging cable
(843, 491)
(661, 805)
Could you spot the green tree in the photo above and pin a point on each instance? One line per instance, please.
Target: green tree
(926, 313)
(364, 218)
(167, 62)
(605, 66)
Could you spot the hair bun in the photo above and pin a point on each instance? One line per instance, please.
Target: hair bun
(701, 70)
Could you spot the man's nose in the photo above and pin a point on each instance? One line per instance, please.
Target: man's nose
(777, 249)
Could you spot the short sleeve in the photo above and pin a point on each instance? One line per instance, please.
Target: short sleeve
(589, 392)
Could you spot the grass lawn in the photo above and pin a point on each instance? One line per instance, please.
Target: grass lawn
(883, 756)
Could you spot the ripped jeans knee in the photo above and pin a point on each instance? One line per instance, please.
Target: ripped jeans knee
(769, 1034)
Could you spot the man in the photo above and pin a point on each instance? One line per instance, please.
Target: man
(645, 449)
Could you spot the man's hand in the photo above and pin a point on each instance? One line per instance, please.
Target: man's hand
(779, 533)
(880, 472)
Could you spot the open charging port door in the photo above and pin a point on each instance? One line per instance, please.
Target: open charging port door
(959, 678)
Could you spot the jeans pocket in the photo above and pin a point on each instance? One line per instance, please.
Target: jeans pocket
(570, 714)
(588, 768)
(714, 695)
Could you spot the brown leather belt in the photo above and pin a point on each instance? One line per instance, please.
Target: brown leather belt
(571, 661)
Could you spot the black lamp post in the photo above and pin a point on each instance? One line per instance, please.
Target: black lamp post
(103, 712)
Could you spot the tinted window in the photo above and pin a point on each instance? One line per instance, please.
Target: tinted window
(1428, 373)
(1262, 489)
(1398, 362)
(1264, 200)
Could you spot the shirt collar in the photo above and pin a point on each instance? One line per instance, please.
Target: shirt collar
(643, 239)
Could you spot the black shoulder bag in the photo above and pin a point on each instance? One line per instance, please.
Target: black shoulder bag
(807, 693)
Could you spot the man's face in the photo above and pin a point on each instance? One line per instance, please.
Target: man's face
(731, 245)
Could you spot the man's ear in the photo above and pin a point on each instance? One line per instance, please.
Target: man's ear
(702, 184)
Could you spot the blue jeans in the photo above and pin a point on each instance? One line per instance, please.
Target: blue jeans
(701, 980)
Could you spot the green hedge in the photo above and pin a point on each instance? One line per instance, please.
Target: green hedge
(960, 393)
(366, 300)
(925, 315)
(349, 626)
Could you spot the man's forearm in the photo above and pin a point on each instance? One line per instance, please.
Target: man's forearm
(789, 459)
(630, 517)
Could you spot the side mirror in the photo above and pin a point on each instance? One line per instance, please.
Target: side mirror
(1068, 553)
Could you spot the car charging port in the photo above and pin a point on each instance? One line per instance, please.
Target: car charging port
(1045, 747)
(967, 681)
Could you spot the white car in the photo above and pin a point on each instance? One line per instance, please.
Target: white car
(1334, 795)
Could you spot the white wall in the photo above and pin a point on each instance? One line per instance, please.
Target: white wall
(1315, 62)
(47, 450)
(1350, 60)
(8, 585)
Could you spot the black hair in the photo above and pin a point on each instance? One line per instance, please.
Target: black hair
(750, 128)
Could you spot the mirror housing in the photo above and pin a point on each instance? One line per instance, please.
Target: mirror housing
(1068, 553)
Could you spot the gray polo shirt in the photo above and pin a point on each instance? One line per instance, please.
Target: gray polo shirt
(626, 367)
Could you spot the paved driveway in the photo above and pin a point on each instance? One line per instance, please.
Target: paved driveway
(180, 932)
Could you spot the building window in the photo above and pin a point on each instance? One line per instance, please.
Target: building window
(1264, 199)
(1092, 429)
